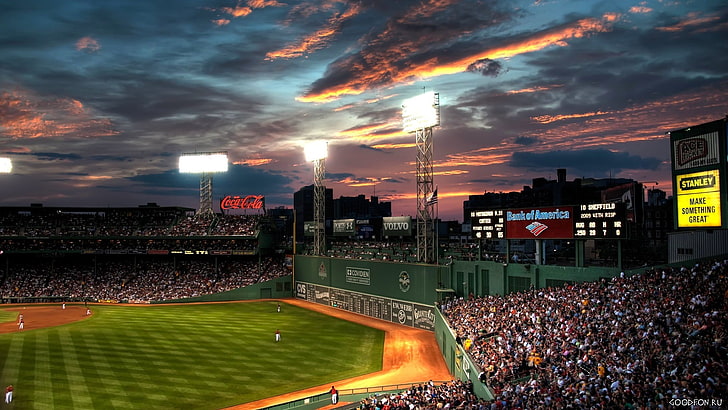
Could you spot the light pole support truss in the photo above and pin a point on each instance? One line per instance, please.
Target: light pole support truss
(205, 195)
(319, 207)
(426, 240)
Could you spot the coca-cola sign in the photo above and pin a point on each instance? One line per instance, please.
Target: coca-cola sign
(243, 202)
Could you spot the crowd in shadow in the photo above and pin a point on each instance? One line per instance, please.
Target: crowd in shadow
(126, 225)
(131, 280)
(642, 341)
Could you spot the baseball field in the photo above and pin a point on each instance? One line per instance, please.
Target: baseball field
(194, 356)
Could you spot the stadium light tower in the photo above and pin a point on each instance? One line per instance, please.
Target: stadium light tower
(6, 166)
(419, 115)
(317, 152)
(205, 164)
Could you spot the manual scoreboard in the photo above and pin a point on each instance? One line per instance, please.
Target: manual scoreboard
(600, 221)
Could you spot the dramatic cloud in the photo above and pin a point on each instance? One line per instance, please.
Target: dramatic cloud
(98, 99)
(487, 67)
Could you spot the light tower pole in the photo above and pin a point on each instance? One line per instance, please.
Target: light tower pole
(317, 152)
(420, 114)
(205, 164)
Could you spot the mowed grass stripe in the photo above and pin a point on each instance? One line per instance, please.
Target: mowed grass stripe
(42, 373)
(188, 356)
(76, 390)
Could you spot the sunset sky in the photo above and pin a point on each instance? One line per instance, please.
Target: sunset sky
(98, 99)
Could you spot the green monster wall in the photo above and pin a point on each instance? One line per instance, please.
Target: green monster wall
(407, 293)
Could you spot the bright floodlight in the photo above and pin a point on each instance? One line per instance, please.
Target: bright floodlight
(316, 150)
(420, 112)
(203, 162)
(5, 165)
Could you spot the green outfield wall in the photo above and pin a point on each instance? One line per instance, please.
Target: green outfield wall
(408, 293)
(403, 281)
(493, 278)
(458, 361)
(427, 284)
(396, 292)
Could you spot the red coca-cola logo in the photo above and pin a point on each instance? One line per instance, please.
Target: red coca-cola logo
(242, 202)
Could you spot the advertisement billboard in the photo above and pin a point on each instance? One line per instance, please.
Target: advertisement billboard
(629, 195)
(698, 200)
(309, 228)
(242, 202)
(397, 226)
(540, 223)
(344, 227)
(697, 151)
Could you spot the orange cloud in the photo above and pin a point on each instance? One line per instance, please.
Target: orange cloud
(546, 119)
(318, 40)
(88, 44)
(693, 19)
(540, 41)
(349, 181)
(390, 66)
(344, 107)
(254, 162)
(534, 89)
(259, 4)
(24, 115)
(237, 11)
(394, 146)
(640, 10)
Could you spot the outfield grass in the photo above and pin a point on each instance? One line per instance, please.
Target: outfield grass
(183, 356)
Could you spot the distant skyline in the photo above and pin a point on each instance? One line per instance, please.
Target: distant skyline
(99, 99)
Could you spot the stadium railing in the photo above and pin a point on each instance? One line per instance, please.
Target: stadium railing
(346, 395)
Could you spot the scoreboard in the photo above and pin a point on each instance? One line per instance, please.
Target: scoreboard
(488, 224)
(590, 221)
(393, 310)
(600, 221)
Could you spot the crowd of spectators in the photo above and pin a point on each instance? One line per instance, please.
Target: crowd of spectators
(120, 224)
(131, 245)
(455, 394)
(629, 342)
(369, 250)
(129, 279)
(401, 251)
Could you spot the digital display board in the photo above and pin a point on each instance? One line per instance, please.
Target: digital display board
(600, 221)
(540, 223)
(488, 224)
(698, 199)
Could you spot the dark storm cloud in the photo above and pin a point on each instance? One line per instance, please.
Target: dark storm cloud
(51, 156)
(522, 140)
(364, 146)
(339, 176)
(237, 180)
(486, 67)
(589, 162)
(629, 66)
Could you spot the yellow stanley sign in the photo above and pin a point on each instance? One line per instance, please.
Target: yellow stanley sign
(698, 200)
